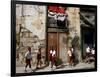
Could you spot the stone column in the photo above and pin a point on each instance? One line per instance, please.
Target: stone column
(74, 26)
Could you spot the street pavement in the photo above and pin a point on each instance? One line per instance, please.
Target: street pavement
(20, 69)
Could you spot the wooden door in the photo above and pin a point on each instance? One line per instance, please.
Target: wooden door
(63, 47)
(52, 42)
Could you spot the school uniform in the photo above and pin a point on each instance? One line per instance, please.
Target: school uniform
(93, 53)
(87, 52)
(70, 56)
(51, 55)
(53, 62)
(28, 57)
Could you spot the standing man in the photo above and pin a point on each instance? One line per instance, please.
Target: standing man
(28, 57)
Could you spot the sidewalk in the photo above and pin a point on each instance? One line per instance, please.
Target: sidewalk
(46, 69)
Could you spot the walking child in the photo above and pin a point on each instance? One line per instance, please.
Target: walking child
(50, 56)
(70, 56)
(28, 57)
(53, 61)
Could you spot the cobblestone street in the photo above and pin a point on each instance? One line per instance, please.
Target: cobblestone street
(20, 69)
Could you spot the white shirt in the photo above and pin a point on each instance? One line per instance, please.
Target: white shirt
(69, 53)
(53, 53)
(87, 49)
(93, 51)
(28, 55)
(36, 50)
(72, 50)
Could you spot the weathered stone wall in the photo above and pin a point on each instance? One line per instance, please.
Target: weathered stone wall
(30, 30)
(32, 22)
(74, 27)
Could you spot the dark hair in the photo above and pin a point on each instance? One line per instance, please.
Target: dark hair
(40, 48)
(29, 48)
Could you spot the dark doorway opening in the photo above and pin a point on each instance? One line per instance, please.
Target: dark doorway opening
(87, 39)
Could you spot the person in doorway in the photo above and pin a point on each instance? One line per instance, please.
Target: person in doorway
(28, 57)
(88, 51)
(38, 58)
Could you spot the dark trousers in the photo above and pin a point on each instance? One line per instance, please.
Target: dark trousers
(87, 55)
(53, 62)
(28, 62)
(38, 62)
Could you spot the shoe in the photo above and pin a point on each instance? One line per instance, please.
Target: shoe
(52, 69)
(31, 70)
(25, 70)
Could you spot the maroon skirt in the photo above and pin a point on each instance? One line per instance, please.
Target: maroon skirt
(38, 56)
(50, 57)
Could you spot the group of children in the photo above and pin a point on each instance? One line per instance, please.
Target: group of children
(90, 52)
(28, 57)
(70, 52)
(53, 57)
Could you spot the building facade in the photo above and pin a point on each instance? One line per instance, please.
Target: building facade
(88, 28)
(52, 27)
(62, 28)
